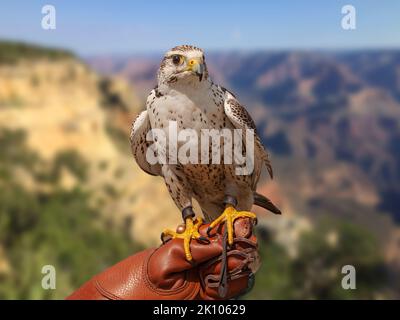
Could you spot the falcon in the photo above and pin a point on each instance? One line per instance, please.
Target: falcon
(186, 95)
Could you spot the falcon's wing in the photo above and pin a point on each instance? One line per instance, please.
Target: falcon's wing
(241, 119)
(139, 145)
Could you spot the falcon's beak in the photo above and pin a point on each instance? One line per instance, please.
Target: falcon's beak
(196, 66)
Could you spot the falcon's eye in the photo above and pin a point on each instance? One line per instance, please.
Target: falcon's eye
(177, 59)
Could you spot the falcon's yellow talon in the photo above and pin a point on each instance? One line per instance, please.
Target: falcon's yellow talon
(191, 232)
(229, 216)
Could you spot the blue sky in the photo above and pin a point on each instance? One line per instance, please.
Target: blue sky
(102, 27)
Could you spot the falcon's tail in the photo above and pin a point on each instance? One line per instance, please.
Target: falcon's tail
(262, 201)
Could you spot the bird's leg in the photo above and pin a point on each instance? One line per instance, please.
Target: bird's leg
(229, 216)
(187, 232)
(179, 190)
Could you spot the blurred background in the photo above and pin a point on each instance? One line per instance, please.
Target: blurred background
(326, 101)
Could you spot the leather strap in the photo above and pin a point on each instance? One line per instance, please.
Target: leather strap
(187, 213)
(223, 279)
(229, 200)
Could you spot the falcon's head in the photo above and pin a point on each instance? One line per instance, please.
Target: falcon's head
(183, 63)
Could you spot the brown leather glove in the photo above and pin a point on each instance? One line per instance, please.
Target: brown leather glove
(164, 272)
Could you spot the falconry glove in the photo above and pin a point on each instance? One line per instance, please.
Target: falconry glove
(164, 272)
